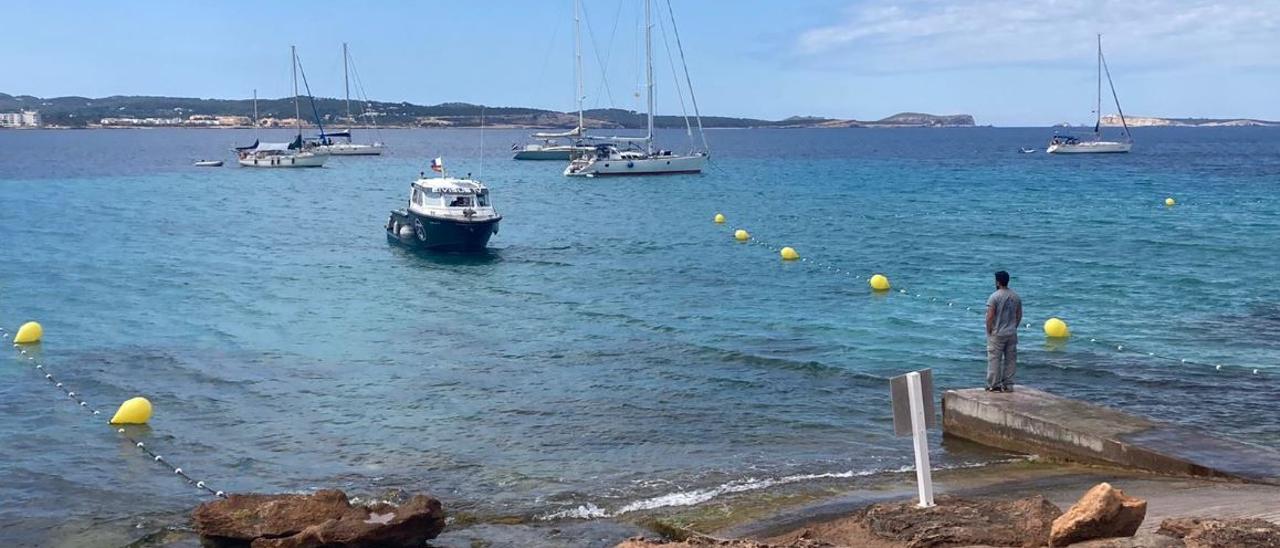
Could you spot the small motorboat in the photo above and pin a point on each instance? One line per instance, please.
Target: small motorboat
(208, 163)
(1026, 150)
(445, 214)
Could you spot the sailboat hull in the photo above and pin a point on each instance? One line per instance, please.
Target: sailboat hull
(1090, 147)
(343, 149)
(561, 153)
(305, 159)
(654, 165)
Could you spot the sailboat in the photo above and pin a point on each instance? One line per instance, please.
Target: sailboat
(339, 143)
(551, 145)
(291, 154)
(1066, 144)
(623, 155)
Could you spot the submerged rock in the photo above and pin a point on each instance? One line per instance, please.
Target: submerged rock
(1103, 512)
(325, 518)
(1222, 533)
(963, 522)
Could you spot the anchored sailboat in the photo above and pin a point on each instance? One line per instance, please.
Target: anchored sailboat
(623, 155)
(552, 145)
(292, 154)
(339, 143)
(1066, 144)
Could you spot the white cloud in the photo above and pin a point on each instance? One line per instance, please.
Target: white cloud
(884, 35)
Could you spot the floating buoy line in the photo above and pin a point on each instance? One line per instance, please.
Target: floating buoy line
(1055, 329)
(134, 411)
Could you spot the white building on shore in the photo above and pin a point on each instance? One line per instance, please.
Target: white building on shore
(25, 118)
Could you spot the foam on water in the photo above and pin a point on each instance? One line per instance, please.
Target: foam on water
(698, 496)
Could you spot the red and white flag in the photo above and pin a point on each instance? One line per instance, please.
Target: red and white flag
(437, 165)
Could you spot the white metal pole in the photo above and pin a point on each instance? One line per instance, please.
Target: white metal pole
(924, 474)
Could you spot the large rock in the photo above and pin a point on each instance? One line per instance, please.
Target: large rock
(1103, 512)
(1222, 533)
(963, 522)
(325, 518)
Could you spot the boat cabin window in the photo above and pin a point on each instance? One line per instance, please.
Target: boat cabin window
(482, 200)
(465, 200)
(423, 198)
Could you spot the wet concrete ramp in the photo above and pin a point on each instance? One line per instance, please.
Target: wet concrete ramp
(1037, 422)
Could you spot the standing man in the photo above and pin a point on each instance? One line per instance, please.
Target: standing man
(1004, 315)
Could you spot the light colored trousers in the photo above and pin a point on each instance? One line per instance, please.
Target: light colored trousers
(1002, 360)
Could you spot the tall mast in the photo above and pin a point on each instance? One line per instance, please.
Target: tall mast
(255, 112)
(577, 58)
(345, 83)
(297, 112)
(648, 72)
(1097, 124)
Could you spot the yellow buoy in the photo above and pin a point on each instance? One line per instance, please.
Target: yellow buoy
(1169, 202)
(741, 235)
(719, 218)
(1056, 329)
(879, 282)
(133, 411)
(789, 254)
(30, 332)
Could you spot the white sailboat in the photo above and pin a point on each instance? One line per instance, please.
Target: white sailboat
(562, 145)
(339, 143)
(623, 156)
(283, 155)
(1066, 144)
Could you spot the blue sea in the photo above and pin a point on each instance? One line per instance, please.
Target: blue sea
(616, 350)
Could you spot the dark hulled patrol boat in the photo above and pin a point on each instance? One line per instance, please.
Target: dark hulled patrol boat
(445, 214)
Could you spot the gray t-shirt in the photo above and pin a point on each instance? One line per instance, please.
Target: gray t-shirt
(1006, 304)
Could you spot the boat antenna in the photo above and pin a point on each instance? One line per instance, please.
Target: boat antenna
(1114, 96)
(297, 112)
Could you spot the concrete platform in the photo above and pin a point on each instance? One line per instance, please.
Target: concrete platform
(1037, 422)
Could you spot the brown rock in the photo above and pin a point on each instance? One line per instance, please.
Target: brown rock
(1103, 512)
(1222, 533)
(963, 522)
(326, 518)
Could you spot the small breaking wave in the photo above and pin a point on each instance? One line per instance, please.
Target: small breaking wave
(698, 496)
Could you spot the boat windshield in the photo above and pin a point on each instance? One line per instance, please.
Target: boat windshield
(464, 200)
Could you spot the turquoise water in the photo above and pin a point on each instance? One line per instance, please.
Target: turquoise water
(616, 350)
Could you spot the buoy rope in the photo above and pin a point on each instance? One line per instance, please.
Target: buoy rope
(84, 404)
(1119, 346)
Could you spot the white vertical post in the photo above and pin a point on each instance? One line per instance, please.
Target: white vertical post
(924, 474)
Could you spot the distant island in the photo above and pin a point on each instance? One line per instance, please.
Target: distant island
(144, 111)
(1147, 121)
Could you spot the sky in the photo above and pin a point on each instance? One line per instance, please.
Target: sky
(1006, 62)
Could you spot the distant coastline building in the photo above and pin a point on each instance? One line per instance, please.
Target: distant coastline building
(195, 120)
(25, 118)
